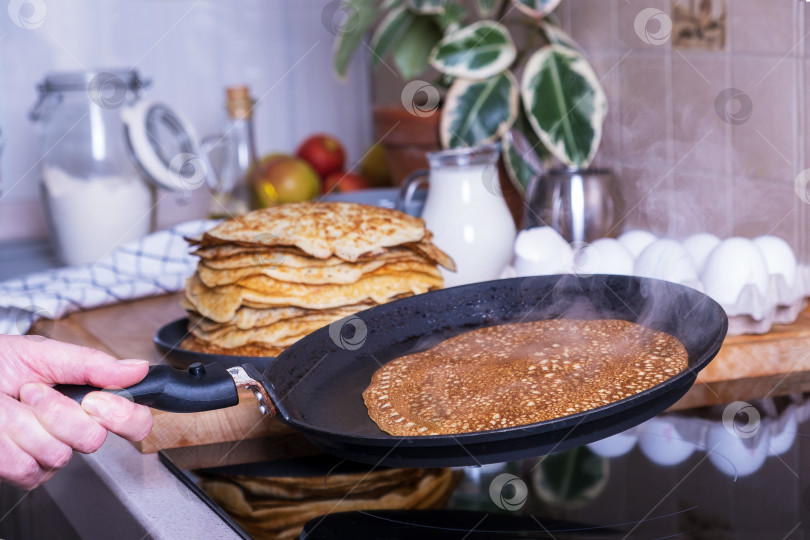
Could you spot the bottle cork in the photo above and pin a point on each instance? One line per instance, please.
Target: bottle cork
(239, 102)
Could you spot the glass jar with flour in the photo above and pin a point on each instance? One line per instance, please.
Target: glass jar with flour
(103, 153)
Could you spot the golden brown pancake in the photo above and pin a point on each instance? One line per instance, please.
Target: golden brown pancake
(247, 317)
(221, 303)
(315, 275)
(518, 374)
(321, 229)
(191, 343)
(294, 258)
(279, 334)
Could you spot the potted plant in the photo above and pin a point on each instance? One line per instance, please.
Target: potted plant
(544, 91)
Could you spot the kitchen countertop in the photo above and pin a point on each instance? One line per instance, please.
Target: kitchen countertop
(132, 496)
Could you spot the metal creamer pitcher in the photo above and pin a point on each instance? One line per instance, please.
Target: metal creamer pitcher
(582, 205)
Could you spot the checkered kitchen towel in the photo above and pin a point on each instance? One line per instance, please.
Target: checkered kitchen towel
(156, 264)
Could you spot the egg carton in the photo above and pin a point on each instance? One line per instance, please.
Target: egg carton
(755, 313)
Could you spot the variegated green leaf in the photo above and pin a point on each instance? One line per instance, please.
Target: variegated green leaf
(556, 36)
(536, 8)
(486, 8)
(451, 19)
(476, 51)
(519, 172)
(388, 4)
(523, 152)
(478, 111)
(427, 7)
(565, 103)
(360, 14)
(390, 29)
(412, 52)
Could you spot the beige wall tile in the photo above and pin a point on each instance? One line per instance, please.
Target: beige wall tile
(803, 109)
(607, 67)
(701, 139)
(765, 207)
(646, 191)
(591, 23)
(653, 37)
(700, 202)
(764, 145)
(645, 104)
(763, 27)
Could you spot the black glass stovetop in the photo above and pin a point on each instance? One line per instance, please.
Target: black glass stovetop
(736, 471)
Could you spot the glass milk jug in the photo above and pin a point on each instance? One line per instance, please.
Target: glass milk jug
(466, 212)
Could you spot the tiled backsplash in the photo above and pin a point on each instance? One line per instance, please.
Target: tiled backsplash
(704, 140)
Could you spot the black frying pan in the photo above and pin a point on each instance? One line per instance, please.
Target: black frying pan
(316, 385)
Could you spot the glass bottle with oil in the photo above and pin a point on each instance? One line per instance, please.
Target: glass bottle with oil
(237, 148)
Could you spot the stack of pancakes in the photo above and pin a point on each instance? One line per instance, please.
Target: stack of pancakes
(268, 278)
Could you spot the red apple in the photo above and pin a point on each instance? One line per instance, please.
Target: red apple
(324, 153)
(343, 182)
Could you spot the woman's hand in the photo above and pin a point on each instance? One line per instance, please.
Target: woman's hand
(39, 427)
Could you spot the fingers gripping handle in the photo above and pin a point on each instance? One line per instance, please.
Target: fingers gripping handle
(199, 388)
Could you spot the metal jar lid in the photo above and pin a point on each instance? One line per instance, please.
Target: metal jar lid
(162, 144)
(107, 88)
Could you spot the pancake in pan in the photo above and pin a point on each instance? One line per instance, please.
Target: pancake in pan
(518, 374)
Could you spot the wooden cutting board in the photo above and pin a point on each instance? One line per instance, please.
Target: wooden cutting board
(747, 367)
(756, 366)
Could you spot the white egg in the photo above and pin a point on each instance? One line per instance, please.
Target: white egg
(733, 264)
(662, 443)
(734, 455)
(603, 256)
(615, 445)
(542, 251)
(698, 246)
(636, 240)
(666, 259)
(779, 257)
